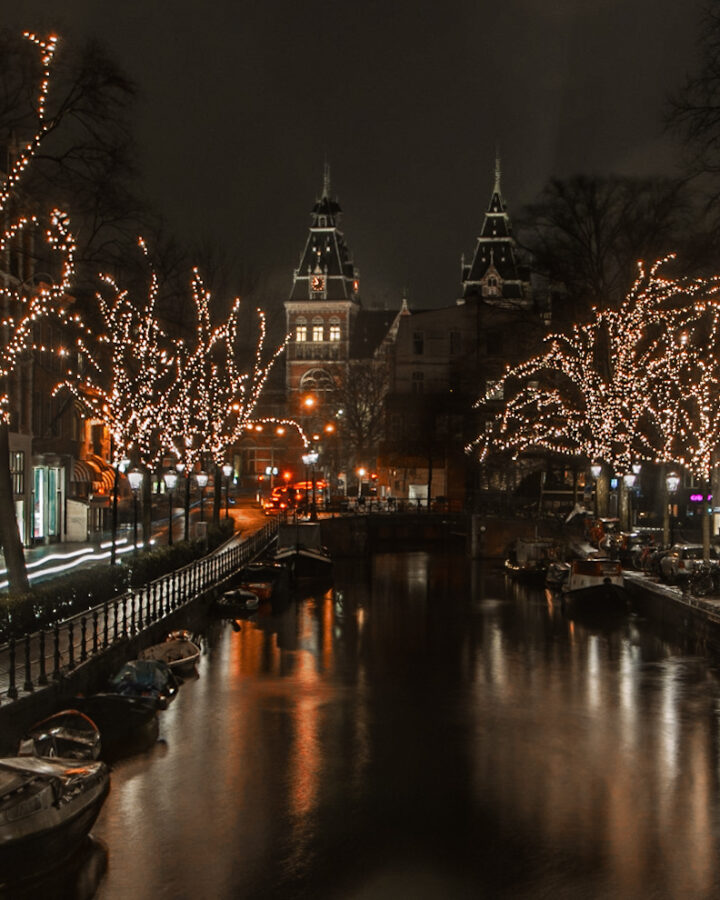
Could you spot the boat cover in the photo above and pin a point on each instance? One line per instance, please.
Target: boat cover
(300, 534)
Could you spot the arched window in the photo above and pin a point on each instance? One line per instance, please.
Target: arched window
(317, 380)
(318, 331)
(301, 330)
(334, 329)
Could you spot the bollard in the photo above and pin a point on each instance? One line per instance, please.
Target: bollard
(28, 685)
(42, 677)
(71, 646)
(83, 639)
(12, 690)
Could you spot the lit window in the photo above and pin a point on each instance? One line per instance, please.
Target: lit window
(301, 333)
(317, 333)
(334, 332)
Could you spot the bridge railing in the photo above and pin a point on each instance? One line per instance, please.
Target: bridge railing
(47, 655)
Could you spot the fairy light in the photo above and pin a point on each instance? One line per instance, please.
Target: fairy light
(212, 400)
(630, 384)
(26, 309)
(128, 391)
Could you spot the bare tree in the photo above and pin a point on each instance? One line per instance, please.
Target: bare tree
(586, 234)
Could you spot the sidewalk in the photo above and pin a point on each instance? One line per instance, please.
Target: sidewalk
(45, 560)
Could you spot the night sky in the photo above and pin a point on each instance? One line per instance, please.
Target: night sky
(243, 101)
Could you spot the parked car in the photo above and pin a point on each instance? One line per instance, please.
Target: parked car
(679, 561)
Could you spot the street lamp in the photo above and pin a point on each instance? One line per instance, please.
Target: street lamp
(596, 472)
(227, 472)
(135, 477)
(201, 479)
(360, 474)
(672, 483)
(170, 478)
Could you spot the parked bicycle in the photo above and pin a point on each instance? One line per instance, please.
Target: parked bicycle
(704, 579)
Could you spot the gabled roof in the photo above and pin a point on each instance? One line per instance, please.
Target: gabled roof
(370, 329)
(495, 254)
(326, 270)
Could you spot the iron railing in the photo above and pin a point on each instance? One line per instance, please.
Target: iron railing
(49, 654)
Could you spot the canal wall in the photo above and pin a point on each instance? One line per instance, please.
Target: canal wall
(359, 535)
(91, 676)
(669, 607)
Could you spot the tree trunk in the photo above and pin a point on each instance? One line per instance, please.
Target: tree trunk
(147, 509)
(9, 534)
(217, 495)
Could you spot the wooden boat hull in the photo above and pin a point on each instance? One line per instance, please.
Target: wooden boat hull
(69, 734)
(180, 655)
(116, 716)
(68, 807)
(304, 563)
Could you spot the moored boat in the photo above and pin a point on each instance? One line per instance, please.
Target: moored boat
(179, 653)
(150, 678)
(47, 808)
(595, 581)
(236, 602)
(528, 560)
(268, 580)
(68, 734)
(300, 548)
(118, 716)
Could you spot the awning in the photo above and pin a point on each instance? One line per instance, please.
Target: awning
(83, 471)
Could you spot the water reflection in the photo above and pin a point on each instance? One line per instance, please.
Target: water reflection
(426, 729)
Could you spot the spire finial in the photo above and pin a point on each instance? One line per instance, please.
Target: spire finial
(326, 179)
(497, 170)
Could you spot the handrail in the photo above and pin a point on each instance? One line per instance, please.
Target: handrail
(50, 654)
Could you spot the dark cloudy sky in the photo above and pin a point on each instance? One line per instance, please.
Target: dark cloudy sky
(242, 100)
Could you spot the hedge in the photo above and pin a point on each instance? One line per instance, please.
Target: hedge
(58, 598)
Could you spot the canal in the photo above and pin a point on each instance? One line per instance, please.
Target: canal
(422, 730)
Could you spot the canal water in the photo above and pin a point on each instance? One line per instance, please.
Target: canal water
(424, 729)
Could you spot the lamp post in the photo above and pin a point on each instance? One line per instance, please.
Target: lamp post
(672, 483)
(181, 467)
(135, 477)
(596, 472)
(227, 472)
(201, 479)
(312, 459)
(360, 474)
(170, 478)
(629, 479)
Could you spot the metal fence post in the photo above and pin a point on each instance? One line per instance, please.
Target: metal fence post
(42, 677)
(115, 620)
(12, 690)
(106, 624)
(140, 611)
(83, 639)
(28, 685)
(56, 652)
(71, 646)
(95, 632)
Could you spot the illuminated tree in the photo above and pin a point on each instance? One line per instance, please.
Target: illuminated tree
(24, 306)
(606, 390)
(213, 399)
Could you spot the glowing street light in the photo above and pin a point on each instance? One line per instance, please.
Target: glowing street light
(135, 477)
(170, 478)
(227, 470)
(201, 479)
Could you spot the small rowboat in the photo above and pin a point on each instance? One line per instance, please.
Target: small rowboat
(180, 654)
(68, 734)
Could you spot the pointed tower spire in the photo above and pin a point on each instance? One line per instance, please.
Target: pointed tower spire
(496, 188)
(326, 179)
